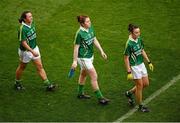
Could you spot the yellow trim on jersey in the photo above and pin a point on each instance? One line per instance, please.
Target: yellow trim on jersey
(126, 45)
(76, 35)
(20, 33)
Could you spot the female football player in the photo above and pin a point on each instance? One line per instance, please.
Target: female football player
(133, 57)
(28, 50)
(85, 40)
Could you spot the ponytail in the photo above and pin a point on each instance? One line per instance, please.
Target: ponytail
(23, 16)
(81, 18)
(131, 27)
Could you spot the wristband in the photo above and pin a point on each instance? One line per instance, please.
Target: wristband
(149, 62)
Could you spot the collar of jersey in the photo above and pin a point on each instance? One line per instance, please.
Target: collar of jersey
(83, 29)
(130, 38)
(26, 24)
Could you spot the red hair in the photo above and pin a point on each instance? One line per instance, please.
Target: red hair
(81, 18)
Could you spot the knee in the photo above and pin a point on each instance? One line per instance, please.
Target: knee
(83, 74)
(145, 85)
(139, 86)
(82, 77)
(94, 77)
(22, 67)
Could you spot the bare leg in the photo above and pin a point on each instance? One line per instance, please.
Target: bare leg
(82, 77)
(93, 75)
(20, 70)
(145, 81)
(138, 92)
(40, 69)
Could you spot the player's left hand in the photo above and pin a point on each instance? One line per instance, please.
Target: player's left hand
(104, 55)
(151, 67)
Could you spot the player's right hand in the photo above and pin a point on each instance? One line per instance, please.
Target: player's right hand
(129, 76)
(151, 67)
(74, 65)
(35, 54)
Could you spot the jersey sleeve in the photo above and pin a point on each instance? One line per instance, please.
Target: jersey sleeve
(127, 50)
(77, 38)
(22, 34)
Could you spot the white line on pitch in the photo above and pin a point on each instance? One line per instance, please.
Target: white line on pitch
(151, 97)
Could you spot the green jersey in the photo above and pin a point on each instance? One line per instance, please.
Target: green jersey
(85, 38)
(134, 49)
(27, 33)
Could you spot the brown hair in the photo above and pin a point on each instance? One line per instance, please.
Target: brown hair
(131, 27)
(23, 16)
(81, 18)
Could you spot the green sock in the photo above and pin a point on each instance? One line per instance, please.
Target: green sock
(98, 94)
(130, 94)
(80, 89)
(47, 82)
(18, 81)
(140, 106)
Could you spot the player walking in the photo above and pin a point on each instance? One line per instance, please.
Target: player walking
(133, 57)
(85, 39)
(28, 50)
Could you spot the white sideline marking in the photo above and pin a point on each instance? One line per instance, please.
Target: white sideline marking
(151, 97)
